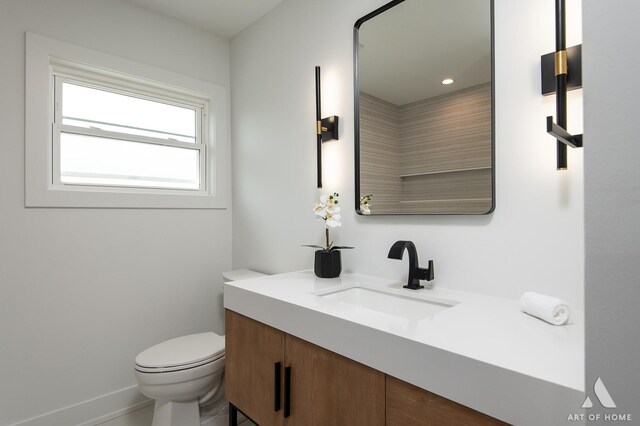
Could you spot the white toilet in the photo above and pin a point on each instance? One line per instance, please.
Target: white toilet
(186, 375)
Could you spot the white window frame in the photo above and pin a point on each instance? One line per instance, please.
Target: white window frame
(49, 62)
(61, 75)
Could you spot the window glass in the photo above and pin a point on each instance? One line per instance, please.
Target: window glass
(91, 160)
(94, 108)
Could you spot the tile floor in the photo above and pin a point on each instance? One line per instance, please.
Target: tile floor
(144, 416)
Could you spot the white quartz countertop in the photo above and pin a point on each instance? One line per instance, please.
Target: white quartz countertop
(482, 352)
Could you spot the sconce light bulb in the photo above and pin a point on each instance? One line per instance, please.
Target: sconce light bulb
(447, 81)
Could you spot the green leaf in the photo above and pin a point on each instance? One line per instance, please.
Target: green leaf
(312, 246)
(341, 248)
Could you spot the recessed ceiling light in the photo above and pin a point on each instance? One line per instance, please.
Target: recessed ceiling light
(447, 81)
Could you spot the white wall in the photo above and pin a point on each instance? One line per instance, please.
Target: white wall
(612, 195)
(534, 239)
(82, 291)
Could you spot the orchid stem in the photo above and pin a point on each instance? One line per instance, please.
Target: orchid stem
(326, 230)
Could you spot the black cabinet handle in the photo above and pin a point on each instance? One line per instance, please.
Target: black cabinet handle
(276, 386)
(287, 392)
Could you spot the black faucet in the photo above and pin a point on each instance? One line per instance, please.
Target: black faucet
(416, 273)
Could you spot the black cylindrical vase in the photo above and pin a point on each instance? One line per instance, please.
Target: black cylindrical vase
(328, 264)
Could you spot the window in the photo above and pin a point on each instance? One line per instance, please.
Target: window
(106, 136)
(103, 138)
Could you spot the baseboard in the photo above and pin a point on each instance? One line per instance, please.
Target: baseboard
(92, 411)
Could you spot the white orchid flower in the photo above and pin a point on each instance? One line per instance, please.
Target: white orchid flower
(333, 220)
(319, 210)
(326, 208)
(365, 206)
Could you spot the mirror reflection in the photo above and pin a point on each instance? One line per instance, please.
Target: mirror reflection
(424, 108)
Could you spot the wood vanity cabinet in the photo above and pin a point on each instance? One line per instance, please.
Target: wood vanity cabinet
(410, 405)
(325, 388)
(252, 353)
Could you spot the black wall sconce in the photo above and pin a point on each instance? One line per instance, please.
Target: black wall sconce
(326, 128)
(562, 71)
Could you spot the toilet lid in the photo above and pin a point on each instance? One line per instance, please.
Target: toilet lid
(241, 274)
(183, 352)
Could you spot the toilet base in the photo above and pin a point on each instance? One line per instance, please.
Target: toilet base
(172, 413)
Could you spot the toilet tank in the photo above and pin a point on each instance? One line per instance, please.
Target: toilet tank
(241, 274)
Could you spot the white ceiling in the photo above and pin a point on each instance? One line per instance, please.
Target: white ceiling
(408, 50)
(224, 18)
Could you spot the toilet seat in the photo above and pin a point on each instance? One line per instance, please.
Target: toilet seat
(181, 353)
(186, 374)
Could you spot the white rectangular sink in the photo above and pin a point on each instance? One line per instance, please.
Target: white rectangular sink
(387, 301)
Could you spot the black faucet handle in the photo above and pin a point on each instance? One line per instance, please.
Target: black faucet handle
(425, 274)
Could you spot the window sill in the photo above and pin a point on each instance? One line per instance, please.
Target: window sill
(110, 198)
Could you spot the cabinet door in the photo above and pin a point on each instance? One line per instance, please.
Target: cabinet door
(329, 389)
(408, 405)
(251, 378)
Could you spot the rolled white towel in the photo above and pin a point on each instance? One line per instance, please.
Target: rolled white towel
(550, 309)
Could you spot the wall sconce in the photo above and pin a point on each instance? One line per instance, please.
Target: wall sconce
(562, 71)
(326, 128)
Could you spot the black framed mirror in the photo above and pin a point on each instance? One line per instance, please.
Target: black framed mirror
(423, 146)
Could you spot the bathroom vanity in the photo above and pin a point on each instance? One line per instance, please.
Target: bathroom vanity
(362, 350)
